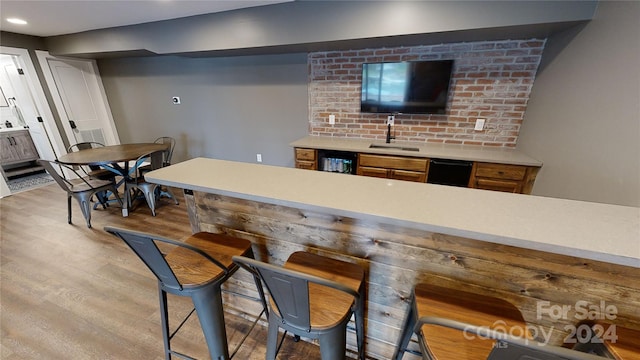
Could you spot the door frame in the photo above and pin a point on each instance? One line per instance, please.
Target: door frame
(102, 104)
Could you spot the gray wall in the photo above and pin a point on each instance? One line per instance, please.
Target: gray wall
(583, 117)
(232, 108)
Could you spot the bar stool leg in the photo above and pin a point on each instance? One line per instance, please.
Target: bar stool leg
(407, 331)
(333, 344)
(359, 319)
(272, 337)
(208, 304)
(164, 322)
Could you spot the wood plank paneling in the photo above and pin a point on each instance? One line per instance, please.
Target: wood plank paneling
(396, 258)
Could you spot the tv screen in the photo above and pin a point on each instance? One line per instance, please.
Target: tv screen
(412, 87)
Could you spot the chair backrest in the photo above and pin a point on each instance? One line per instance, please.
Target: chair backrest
(155, 159)
(55, 170)
(144, 245)
(508, 347)
(84, 146)
(289, 290)
(168, 154)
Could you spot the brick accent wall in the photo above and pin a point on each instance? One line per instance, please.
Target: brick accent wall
(491, 80)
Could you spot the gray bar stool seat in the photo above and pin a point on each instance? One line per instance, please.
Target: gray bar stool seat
(196, 268)
(312, 296)
(451, 324)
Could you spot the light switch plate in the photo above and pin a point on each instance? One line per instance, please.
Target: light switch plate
(479, 124)
(332, 119)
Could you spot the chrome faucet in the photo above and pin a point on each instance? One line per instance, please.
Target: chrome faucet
(390, 121)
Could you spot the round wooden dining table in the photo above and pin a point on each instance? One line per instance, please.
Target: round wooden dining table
(110, 155)
(115, 158)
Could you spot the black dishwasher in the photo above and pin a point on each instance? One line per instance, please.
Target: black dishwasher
(449, 172)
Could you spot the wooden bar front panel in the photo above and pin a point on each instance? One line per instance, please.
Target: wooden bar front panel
(397, 257)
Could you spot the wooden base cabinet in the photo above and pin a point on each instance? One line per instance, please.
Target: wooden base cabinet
(306, 159)
(487, 176)
(393, 167)
(500, 177)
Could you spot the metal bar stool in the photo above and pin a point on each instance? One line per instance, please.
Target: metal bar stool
(458, 325)
(312, 296)
(196, 268)
(609, 340)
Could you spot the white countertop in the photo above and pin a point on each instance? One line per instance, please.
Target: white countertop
(602, 232)
(498, 155)
(18, 128)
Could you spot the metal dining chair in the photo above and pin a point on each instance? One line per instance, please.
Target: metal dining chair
(81, 188)
(312, 296)
(168, 154)
(195, 268)
(136, 182)
(94, 171)
(451, 324)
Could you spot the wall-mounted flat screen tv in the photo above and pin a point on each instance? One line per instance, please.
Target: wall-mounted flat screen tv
(410, 87)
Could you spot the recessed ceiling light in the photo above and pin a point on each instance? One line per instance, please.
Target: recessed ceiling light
(17, 21)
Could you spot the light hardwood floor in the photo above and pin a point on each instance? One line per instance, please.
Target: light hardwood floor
(70, 292)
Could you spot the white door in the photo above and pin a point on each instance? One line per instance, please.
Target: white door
(22, 110)
(78, 94)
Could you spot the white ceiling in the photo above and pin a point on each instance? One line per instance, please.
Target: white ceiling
(58, 17)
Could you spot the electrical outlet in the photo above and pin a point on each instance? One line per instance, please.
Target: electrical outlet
(332, 119)
(259, 157)
(175, 100)
(391, 119)
(479, 124)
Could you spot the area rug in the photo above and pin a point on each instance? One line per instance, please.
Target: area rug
(29, 182)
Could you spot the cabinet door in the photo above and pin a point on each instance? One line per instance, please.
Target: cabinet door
(8, 154)
(408, 175)
(23, 145)
(373, 172)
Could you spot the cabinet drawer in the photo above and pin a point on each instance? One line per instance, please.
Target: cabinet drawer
(306, 154)
(499, 185)
(373, 172)
(417, 176)
(307, 165)
(393, 162)
(499, 171)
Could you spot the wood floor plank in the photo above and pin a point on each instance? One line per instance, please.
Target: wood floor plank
(72, 292)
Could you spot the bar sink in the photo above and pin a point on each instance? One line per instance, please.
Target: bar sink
(394, 147)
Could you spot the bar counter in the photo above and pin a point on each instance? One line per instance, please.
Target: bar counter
(523, 248)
